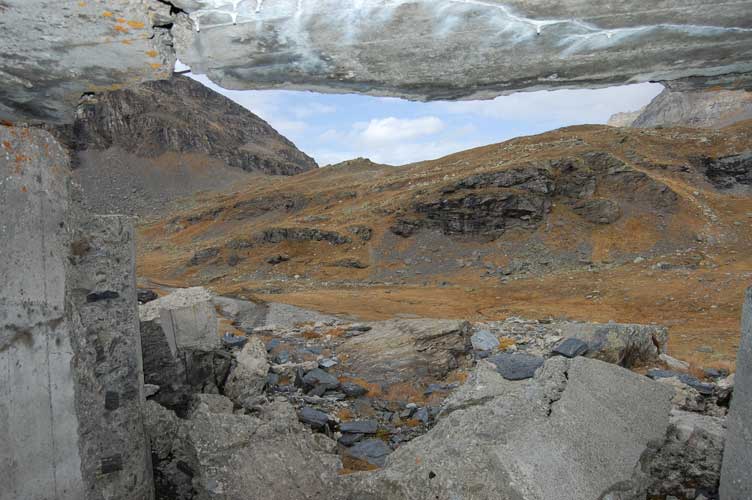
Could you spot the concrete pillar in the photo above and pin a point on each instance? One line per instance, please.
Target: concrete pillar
(70, 372)
(736, 472)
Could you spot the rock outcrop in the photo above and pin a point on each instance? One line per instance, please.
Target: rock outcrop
(490, 204)
(728, 172)
(182, 115)
(714, 108)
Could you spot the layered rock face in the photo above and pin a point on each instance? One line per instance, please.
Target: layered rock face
(696, 108)
(183, 116)
(137, 150)
(595, 185)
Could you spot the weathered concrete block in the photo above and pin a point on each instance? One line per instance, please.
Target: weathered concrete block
(193, 326)
(102, 307)
(70, 375)
(736, 472)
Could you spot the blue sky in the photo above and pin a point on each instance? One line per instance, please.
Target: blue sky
(333, 128)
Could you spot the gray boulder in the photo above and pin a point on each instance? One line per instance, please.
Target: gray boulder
(575, 431)
(484, 340)
(248, 377)
(627, 345)
(408, 350)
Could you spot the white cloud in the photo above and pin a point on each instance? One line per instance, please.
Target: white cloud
(566, 106)
(312, 109)
(391, 129)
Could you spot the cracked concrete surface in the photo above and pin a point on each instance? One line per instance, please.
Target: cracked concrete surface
(419, 49)
(53, 51)
(450, 49)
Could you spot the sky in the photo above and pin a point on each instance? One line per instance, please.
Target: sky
(333, 128)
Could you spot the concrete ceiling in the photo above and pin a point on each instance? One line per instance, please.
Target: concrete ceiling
(53, 51)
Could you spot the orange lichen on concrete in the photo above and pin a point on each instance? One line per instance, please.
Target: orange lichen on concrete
(107, 13)
(136, 25)
(152, 53)
(155, 65)
(120, 20)
(120, 29)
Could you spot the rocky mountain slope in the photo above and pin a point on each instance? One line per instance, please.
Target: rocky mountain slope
(137, 148)
(590, 222)
(690, 108)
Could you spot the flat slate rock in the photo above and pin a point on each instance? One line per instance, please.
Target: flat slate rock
(314, 418)
(516, 366)
(571, 348)
(360, 427)
(374, 451)
(694, 383)
(318, 377)
(353, 390)
(348, 439)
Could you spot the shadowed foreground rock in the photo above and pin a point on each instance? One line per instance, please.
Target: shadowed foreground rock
(736, 480)
(215, 454)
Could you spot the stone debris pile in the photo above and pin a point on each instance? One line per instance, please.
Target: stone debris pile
(428, 408)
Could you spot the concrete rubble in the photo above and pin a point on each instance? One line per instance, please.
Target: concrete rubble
(553, 436)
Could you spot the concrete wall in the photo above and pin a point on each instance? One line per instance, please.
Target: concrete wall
(103, 312)
(736, 473)
(62, 355)
(39, 453)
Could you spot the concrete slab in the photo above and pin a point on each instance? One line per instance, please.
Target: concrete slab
(193, 326)
(736, 472)
(70, 375)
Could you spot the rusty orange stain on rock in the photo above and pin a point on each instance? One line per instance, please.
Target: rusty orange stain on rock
(120, 20)
(155, 65)
(136, 24)
(7, 145)
(23, 189)
(152, 53)
(125, 42)
(107, 13)
(120, 29)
